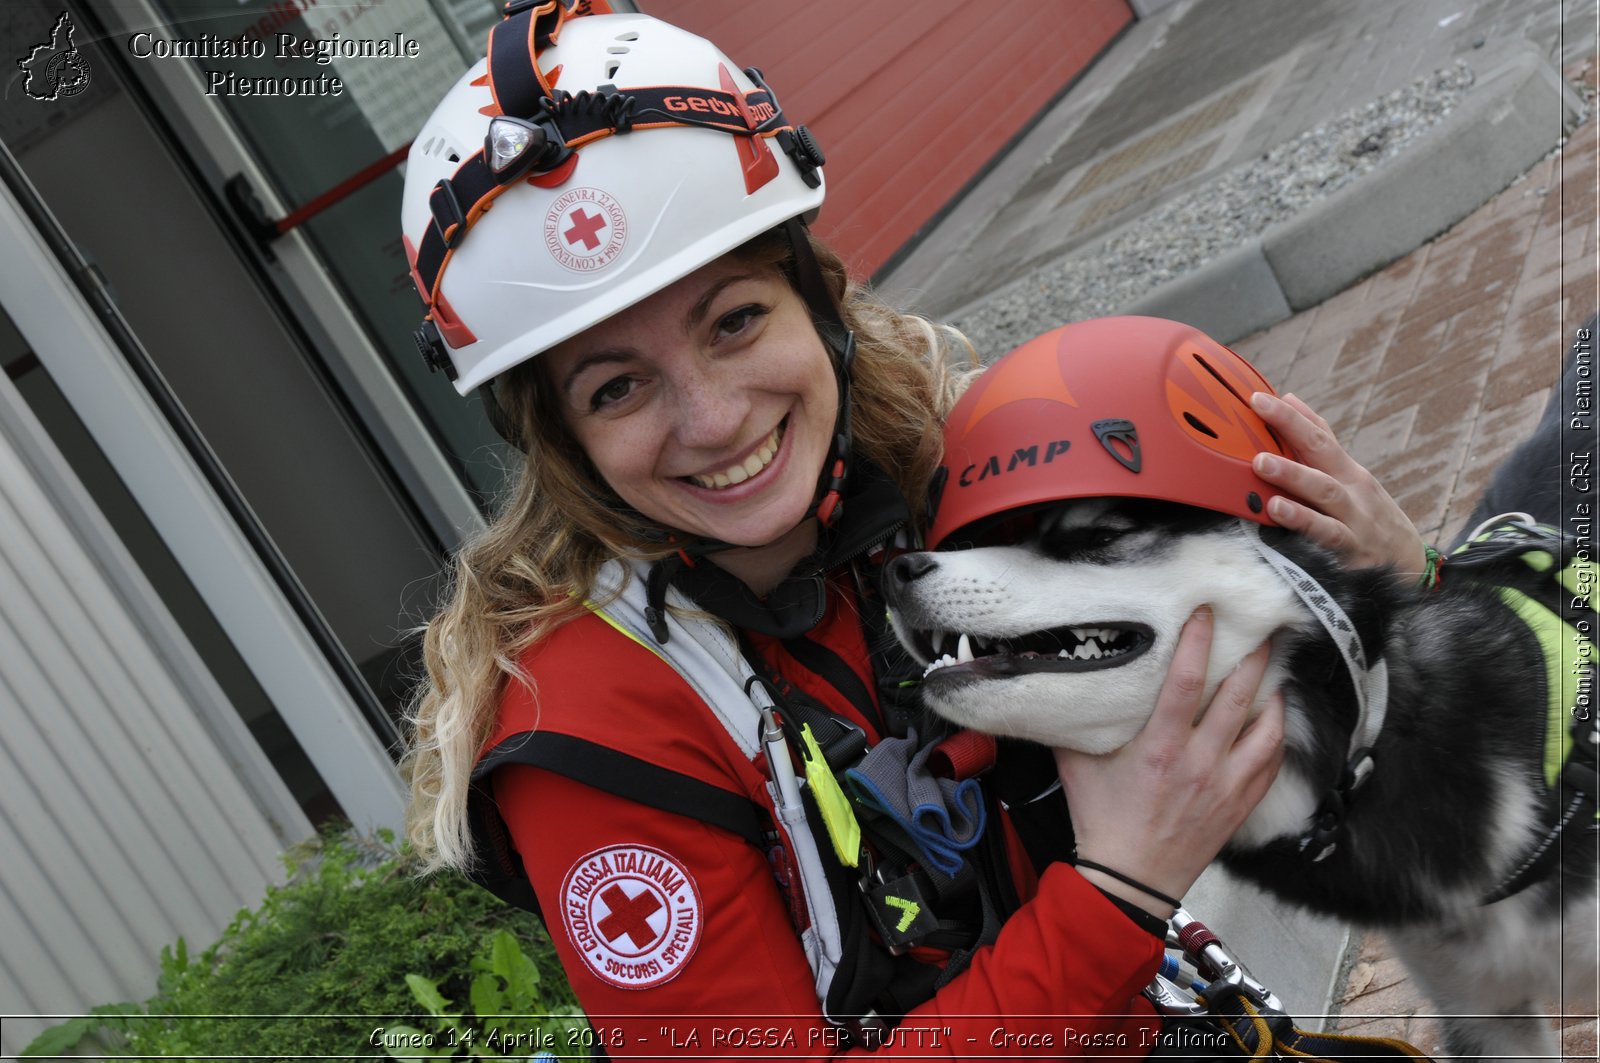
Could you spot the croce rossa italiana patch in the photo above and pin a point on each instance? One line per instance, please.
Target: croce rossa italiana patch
(633, 913)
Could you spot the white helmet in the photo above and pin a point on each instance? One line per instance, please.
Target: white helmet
(625, 154)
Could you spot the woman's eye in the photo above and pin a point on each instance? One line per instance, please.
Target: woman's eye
(736, 322)
(611, 391)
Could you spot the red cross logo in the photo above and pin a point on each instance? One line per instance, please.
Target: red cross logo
(632, 912)
(629, 915)
(585, 227)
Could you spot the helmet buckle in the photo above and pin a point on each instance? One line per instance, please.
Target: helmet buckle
(802, 147)
(430, 344)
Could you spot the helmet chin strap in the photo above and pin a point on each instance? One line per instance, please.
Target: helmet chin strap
(1369, 679)
(841, 344)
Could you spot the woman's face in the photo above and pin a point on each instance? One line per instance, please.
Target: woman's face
(708, 407)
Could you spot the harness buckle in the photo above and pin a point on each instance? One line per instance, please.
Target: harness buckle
(846, 750)
(900, 911)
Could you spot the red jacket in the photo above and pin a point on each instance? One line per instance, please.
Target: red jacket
(678, 939)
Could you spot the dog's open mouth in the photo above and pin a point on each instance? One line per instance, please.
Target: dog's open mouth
(1082, 648)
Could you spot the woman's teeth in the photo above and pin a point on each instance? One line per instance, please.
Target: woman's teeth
(738, 474)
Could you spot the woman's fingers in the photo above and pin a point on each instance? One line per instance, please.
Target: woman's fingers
(1229, 709)
(1179, 702)
(1258, 754)
(1336, 502)
(1306, 432)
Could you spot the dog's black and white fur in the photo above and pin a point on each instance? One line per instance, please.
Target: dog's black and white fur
(1065, 639)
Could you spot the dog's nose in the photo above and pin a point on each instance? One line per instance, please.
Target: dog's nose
(908, 568)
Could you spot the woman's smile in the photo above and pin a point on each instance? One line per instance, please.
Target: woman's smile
(759, 461)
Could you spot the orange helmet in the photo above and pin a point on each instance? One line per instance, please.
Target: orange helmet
(1131, 406)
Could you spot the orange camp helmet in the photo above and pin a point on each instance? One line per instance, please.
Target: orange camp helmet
(1118, 406)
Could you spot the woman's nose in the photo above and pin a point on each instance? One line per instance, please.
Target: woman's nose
(711, 411)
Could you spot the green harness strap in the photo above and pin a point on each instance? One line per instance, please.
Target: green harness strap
(1566, 649)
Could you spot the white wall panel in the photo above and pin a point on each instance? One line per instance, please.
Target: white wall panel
(134, 806)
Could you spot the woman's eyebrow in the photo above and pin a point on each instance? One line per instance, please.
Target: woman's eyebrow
(702, 305)
(589, 361)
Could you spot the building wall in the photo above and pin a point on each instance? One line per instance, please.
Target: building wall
(136, 808)
(909, 100)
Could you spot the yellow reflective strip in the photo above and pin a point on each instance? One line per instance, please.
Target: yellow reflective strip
(837, 815)
(1561, 683)
(1539, 560)
(609, 619)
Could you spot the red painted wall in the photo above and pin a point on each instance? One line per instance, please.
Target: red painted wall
(909, 100)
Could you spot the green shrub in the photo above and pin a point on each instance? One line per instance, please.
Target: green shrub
(333, 959)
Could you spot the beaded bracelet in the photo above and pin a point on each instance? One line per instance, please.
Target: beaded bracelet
(1432, 568)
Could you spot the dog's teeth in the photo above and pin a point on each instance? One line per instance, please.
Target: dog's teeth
(1064, 655)
(936, 638)
(963, 649)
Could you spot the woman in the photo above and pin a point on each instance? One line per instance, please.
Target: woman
(676, 608)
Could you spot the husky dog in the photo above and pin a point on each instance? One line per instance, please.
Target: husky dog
(1439, 772)
(1065, 639)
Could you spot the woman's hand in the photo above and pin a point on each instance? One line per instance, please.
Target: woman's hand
(1347, 509)
(1160, 808)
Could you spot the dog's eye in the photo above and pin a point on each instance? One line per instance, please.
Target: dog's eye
(1069, 541)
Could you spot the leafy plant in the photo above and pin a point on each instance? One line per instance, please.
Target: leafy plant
(505, 991)
(330, 960)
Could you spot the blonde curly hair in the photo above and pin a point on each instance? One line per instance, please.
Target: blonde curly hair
(532, 568)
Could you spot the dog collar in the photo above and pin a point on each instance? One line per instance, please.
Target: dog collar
(1371, 684)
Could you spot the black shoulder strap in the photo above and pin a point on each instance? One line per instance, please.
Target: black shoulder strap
(500, 869)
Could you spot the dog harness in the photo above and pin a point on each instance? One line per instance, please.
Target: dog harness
(1565, 638)
(1572, 732)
